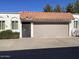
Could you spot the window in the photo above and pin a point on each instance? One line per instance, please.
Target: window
(14, 24)
(2, 25)
(75, 24)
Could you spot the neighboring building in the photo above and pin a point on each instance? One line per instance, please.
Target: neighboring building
(39, 24)
(76, 21)
(10, 21)
(75, 25)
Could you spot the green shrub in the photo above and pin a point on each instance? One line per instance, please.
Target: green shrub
(15, 35)
(8, 34)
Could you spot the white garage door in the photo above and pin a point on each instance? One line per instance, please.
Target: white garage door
(50, 30)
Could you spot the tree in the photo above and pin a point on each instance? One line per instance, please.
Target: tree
(58, 8)
(48, 8)
(70, 8)
(76, 6)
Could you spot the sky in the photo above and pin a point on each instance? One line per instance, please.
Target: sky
(30, 5)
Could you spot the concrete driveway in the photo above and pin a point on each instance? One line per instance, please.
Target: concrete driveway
(37, 43)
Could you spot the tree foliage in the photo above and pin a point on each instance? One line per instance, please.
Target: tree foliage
(70, 8)
(58, 8)
(76, 6)
(48, 8)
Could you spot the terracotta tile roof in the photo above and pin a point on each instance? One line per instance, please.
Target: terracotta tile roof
(46, 16)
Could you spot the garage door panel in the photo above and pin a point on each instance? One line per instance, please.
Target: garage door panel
(50, 30)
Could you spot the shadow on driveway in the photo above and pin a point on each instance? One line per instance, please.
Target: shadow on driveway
(50, 53)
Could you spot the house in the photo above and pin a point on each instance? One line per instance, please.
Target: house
(46, 24)
(75, 25)
(76, 21)
(10, 21)
(39, 24)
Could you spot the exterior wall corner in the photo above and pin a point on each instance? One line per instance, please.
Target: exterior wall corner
(32, 30)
